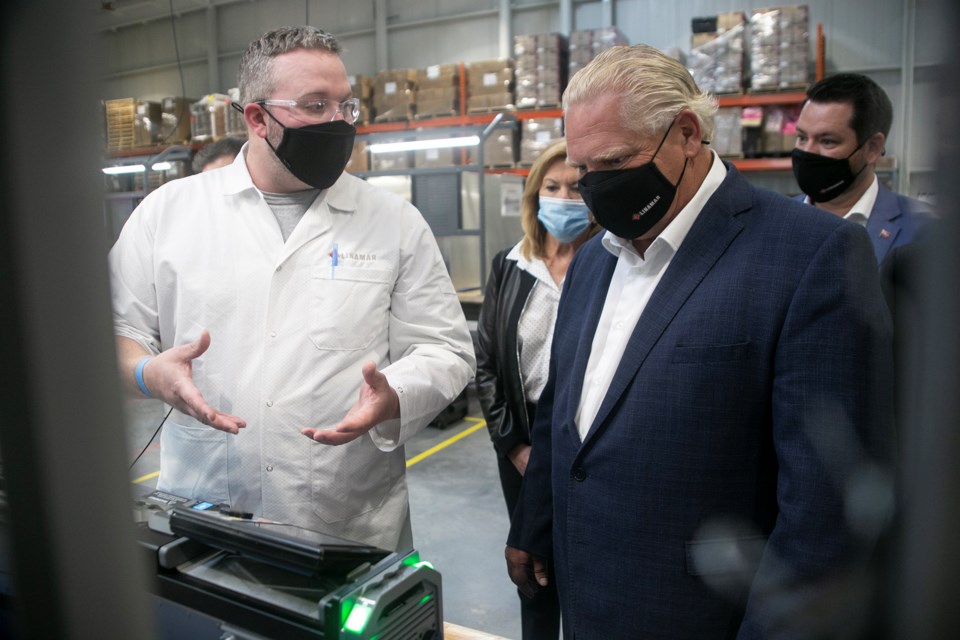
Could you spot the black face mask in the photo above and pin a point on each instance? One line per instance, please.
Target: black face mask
(630, 202)
(316, 154)
(823, 178)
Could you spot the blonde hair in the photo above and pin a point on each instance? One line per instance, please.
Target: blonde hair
(654, 86)
(534, 240)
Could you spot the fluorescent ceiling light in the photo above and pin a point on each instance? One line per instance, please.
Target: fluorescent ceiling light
(415, 145)
(135, 168)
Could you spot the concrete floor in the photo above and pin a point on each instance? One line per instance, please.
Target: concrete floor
(459, 516)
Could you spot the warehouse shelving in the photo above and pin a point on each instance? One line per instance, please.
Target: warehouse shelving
(481, 126)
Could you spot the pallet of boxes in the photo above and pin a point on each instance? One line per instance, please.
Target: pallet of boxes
(212, 117)
(717, 62)
(361, 87)
(541, 76)
(490, 85)
(437, 95)
(138, 127)
(393, 101)
(779, 61)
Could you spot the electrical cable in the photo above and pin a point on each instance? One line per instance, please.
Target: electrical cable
(150, 441)
(183, 87)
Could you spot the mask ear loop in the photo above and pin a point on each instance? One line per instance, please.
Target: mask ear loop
(685, 160)
(860, 146)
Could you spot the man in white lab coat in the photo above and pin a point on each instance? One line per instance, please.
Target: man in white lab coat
(300, 322)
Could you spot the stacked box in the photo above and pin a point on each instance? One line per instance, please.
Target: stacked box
(541, 69)
(438, 91)
(359, 159)
(212, 117)
(120, 120)
(794, 47)
(175, 120)
(361, 87)
(499, 149)
(779, 48)
(727, 140)
(587, 44)
(751, 131)
(536, 134)
(490, 85)
(427, 158)
(389, 160)
(716, 59)
(393, 94)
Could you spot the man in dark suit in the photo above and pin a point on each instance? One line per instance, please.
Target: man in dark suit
(841, 133)
(720, 380)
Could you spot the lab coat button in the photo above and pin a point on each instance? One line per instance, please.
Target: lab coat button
(273, 334)
(269, 467)
(269, 403)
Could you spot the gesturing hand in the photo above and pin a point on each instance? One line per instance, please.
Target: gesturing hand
(169, 376)
(377, 402)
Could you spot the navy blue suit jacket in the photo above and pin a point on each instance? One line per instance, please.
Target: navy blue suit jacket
(894, 221)
(757, 380)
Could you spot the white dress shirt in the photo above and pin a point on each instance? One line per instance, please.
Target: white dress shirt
(633, 282)
(289, 334)
(860, 211)
(535, 328)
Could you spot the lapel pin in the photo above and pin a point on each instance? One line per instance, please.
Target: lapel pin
(884, 234)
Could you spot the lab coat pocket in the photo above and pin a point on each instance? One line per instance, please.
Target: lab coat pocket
(352, 479)
(194, 464)
(349, 307)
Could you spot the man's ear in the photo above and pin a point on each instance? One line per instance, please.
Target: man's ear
(689, 126)
(874, 147)
(256, 119)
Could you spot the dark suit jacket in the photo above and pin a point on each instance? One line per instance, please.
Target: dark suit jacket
(894, 221)
(756, 381)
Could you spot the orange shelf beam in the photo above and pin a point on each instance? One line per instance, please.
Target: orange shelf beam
(762, 164)
(758, 99)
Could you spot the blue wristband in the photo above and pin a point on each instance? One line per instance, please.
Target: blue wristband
(138, 374)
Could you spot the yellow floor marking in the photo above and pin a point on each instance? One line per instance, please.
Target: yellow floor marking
(480, 423)
(149, 476)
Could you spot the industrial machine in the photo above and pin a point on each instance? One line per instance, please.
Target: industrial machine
(223, 575)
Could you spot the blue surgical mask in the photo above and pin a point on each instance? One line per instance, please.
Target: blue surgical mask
(564, 219)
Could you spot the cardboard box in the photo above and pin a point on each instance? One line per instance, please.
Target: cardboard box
(536, 134)
(490, 102)
(438, 76)
(390, 160)
(490, 77)
(432, 158)
(360, 158)
(175, 124)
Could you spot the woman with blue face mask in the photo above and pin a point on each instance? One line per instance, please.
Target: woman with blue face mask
(515, 330)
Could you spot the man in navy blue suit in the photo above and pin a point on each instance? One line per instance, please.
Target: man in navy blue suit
(841, 133)
(720, 384)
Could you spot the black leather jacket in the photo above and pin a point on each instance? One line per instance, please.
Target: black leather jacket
(498, 380)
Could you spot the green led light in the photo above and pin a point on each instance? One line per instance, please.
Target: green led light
(423, 563)
(412, 559)
(358, 618)
(425, 599)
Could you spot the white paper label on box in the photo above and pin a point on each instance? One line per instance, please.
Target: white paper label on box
(489, 79)
(433, 72)
(433, 154)
(543, 136)
(510, 195)
(390, 88)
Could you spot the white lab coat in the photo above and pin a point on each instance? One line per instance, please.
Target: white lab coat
(290, 333)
